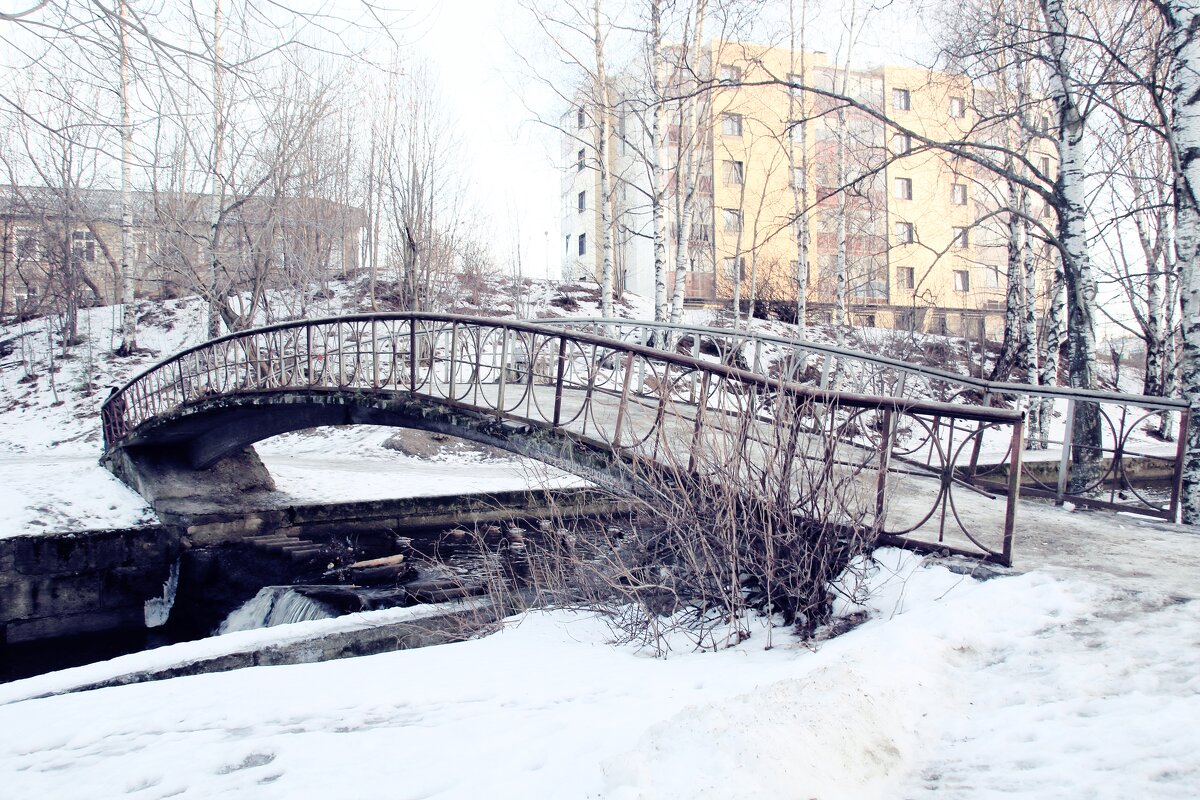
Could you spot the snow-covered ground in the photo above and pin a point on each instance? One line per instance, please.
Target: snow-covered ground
(350, 464)
(50, 440)
(1031, 686)
(1077, 679)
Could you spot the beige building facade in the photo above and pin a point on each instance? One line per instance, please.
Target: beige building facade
(49, 238)
(923, 244)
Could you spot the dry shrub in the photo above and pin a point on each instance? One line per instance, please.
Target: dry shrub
(764, 519)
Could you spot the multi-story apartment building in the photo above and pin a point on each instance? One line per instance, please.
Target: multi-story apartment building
(50, 236)
(916, 228)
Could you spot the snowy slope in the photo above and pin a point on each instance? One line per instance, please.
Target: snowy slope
(50, 436)
(1031, 687)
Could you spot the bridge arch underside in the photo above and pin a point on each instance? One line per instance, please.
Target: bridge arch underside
(200, 435)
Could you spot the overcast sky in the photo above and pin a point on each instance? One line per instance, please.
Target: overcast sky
(479, 50)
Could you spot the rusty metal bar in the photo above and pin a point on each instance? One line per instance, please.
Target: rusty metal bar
(503, 370)
(558, 382)
(412, 356)
(375, 354)
(885, 454)
(1014, 491)
(624, 401)
(701, 407)
(1185, 417)
(1064, 462)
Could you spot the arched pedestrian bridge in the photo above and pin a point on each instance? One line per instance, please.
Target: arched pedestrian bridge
(590, 404)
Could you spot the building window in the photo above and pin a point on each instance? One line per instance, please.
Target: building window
(581, 202)
(1045, 124)
(733, 220)
(905, 277)
(905, 233)
(962, 280)
(905, 320)
(902, 144)
(1044, 164)
(901, 99)
(731, 124)
(734, 172)
(579, 117)
(26, 246)
(960, 237)
(730, 73)
(735, 267)
(902, 188)
(958, 194)
(579, 160)
(939, 325)
(991, 276)
(958, 107)
(83, 246)
(582, 244)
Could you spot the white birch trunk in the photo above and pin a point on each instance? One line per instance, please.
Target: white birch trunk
(658, 146)
(1183, 17)
(840, 274)
(215, 300)
(798, 173)
(696, 141)
(1170, 362)
(1071, 205)
(129, 312)
(1052, 336)
(602, 136)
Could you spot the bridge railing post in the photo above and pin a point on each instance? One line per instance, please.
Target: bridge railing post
(1014, 490)
(558, 380)
(616, 442)
(1180, 453)
(885, 455)
(698, 425)
(1064, 461)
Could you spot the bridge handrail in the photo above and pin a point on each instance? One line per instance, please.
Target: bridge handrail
(678, 405)
(987, 386)
(929, 407)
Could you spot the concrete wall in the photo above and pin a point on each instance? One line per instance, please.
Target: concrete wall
(66, 584)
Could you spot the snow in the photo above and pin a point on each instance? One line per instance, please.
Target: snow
(351, 464)
(1035, 685)
(1079, 678)
(50, 439)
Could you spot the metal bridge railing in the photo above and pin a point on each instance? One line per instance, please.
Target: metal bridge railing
(851, 458)
(1129, 468)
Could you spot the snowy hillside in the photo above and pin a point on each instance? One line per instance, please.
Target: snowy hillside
(50, 435)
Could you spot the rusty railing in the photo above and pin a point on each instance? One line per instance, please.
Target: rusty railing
(1132, 469)
(896, 471)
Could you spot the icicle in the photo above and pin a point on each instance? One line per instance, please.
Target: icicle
(158, 609)
(274, 605)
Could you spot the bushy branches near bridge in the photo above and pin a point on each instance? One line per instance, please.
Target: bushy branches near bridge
(767, 519)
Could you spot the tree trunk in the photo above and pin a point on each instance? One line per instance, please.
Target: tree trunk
(1014, 335)
(1070, 203)
(216, 297)
(658, 146)
(1183, 17)
(798, 178)
(602, 134)
(129, 313)
(1052, 336)
(685, 195)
